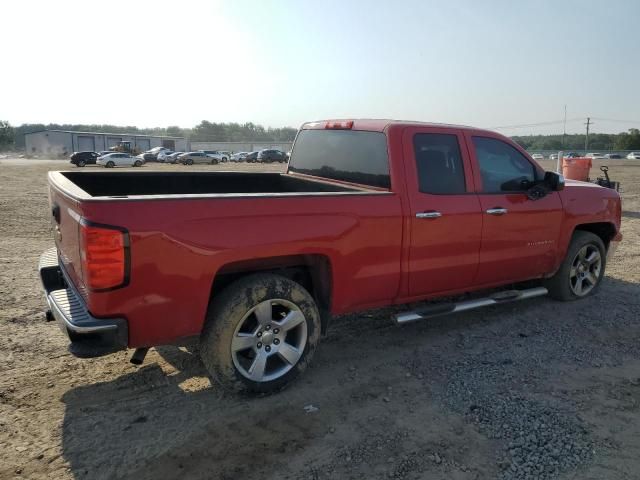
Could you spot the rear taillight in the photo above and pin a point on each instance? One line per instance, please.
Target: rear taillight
(104, 255)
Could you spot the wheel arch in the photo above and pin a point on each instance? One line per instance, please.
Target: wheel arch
(605, 230)
(312, 271)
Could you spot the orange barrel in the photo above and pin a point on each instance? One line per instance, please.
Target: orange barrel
(576, 168)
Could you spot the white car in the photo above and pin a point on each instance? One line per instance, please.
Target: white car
(119, 160)
(595, 156)
(633, 156)
(173, 158)
(239, 157)
(537, 156)
(553, 156)
(221, 157)
(164, 154)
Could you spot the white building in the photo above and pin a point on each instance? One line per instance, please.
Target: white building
(65, 142)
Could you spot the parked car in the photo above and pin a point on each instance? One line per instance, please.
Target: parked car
(239, 156)
(151, 155)
(80, 159)
(633, 156)
(553, 156)
(163, 154)
(537, 156)
(104, 152)
(215, 154)
(173, 158)
(251, 157)
(190, 158)
(613, 156)
(256, 264)
(269, 155)
(595, 156)
(572, 155)
(119, 160)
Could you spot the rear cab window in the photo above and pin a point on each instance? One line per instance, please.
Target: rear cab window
(354, 156)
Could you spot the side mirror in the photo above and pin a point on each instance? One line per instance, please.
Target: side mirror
(554, 181)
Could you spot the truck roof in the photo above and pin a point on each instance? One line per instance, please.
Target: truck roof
(379, 125)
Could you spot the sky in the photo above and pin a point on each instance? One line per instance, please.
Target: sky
(489, 63)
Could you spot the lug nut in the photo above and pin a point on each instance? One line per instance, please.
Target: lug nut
(276, 341)
(267, 348)
(276, 330)
(268, 327)
(259, 345)
(259, 334)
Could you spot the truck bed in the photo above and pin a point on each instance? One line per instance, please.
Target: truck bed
(119, 184)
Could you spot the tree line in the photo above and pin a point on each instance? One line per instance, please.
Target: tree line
(13, 137)
(629, 140)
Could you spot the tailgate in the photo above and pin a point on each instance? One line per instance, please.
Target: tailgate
(65, 222)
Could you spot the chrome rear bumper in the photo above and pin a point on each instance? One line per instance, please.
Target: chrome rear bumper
(90, 336)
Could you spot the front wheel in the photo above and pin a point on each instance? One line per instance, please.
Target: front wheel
(214, 161)
(137, 163)
(110, 165)
(581, 271)
(82, 163)
(260, 333)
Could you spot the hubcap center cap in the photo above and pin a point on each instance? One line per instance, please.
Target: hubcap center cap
(267, 338)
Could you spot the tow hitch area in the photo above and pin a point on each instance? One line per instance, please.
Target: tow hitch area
(452, 307)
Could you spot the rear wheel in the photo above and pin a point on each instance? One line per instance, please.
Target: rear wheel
(81, 163)
(581, 271)
(137, 163)
(214, 161)
(260, 334)
(189, 161)
(110, 165)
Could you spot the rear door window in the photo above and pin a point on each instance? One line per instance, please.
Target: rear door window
(439, 164)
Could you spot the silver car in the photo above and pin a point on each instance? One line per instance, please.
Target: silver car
(191, 158)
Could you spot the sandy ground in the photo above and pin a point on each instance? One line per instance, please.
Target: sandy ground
(419, 401)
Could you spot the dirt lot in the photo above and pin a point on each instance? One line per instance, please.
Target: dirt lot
(539, 389)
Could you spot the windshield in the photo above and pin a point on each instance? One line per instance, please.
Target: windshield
(347, 155)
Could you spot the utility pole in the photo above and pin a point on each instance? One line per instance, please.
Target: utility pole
(564, 126)
(586, 140)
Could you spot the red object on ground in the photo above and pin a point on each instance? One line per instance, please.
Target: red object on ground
(576, 168)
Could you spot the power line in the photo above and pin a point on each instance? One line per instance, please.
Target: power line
(540, 124)
(615, 120)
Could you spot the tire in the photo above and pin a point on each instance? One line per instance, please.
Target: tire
(81, 163)
(582, 270)
(214, 161)
(234, 314)
(110, 165)
(189, 161)
(137, 163)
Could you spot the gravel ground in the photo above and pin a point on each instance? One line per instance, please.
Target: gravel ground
(531, 390)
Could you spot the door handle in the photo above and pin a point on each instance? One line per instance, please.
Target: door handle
(497, 211)
(431, 214)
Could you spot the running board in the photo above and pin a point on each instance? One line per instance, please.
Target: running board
(446, 308)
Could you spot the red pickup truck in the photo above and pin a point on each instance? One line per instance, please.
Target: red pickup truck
(370, 213)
